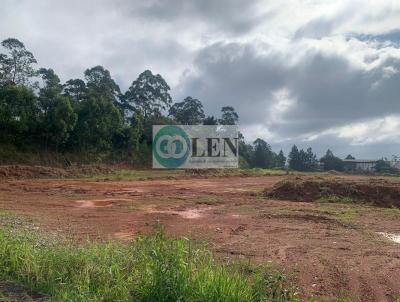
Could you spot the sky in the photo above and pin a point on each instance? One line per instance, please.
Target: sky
(321, 74)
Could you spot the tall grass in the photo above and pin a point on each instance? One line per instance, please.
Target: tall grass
(152, 268)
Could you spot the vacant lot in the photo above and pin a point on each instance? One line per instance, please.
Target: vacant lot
(330, 247)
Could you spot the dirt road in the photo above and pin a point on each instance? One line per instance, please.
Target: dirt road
(326, 249)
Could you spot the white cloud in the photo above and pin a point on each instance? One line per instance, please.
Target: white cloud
(300, 71)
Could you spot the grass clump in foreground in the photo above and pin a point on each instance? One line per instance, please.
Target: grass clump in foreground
(152, 268)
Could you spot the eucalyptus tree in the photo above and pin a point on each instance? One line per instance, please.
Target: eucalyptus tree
(149, 93)
(16, 65)
(188, 112)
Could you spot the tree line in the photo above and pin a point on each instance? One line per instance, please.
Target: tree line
(92, 116)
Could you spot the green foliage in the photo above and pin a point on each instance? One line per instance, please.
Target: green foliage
(18, 114)
(16, 65)
(280, 160)
(100, 84)
(263, 157)
(188, 112)
(383, 166)
(151, 268)
(149, 94)
(51, 87)
(98, 121)
(301, 160)
(210, 120)
(75, 89)
(245, 153)
(294, 159)
(259, 155)
(59, 122)
(229, 116)
(57, 118)
(331, 162)
(93, 118)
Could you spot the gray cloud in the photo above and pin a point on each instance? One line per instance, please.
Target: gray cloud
(292, 71)
(319, 28)
(328, 91)
(390, 37)
(234, 74)
(232, 16)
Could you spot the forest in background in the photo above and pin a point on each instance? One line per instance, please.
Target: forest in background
(91, 120)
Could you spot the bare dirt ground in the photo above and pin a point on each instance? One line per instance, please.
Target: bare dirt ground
(327, 249)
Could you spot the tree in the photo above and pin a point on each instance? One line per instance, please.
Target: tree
(137, 129)
(129, 138)
(245, 152)
(100, 84)
(229, 116)
(331, 162)
(59, 122)
(75, 89)
(131, 135)
(18, 114)
(57, 116)
(280, 160)
(263, 156)
(148, 93)
(210, 120)
(50, 90)
(311, 161)
(294, 159)
(188, 112)
(350, 157)
(301, 160)
(383, 166)
(98, 121)
(16, 66)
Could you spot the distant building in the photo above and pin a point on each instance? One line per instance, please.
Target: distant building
(364, 165)
(395, 164)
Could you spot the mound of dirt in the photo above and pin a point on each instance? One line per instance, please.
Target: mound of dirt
(382, 194)
(27, 172)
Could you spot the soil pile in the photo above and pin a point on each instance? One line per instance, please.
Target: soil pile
(27, 172)
(383, 194)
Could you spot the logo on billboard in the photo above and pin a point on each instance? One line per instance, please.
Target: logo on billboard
(185, 146)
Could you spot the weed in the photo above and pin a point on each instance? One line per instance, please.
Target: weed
(330, 198)
(152, 268)
(208, 200)
(346, 215)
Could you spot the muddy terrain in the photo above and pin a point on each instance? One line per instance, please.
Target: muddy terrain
(339, 249)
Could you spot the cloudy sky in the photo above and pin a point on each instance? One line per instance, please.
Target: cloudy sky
(324, 74)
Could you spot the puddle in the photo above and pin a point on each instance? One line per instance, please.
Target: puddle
(98, 203)
(392, 237)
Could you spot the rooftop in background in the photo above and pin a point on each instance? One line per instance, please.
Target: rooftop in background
(360, 160)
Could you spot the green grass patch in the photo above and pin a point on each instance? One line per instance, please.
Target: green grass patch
(125, 174)
(208, 200)
(346, 215)
(151, 174)
(392, 211)
(152, 268)
(331, 198)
